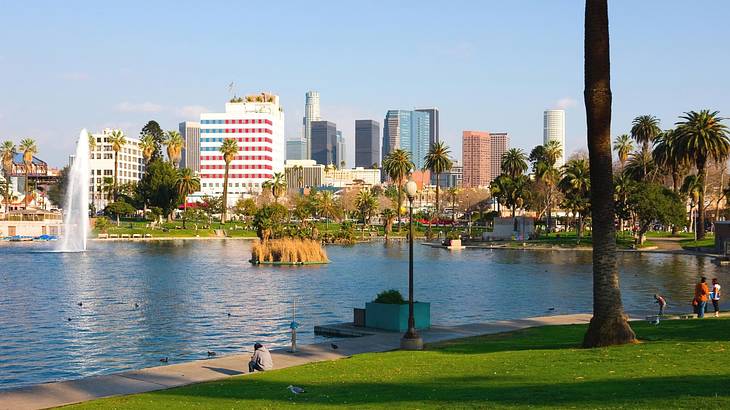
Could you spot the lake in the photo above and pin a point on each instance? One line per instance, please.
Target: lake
(141, 301)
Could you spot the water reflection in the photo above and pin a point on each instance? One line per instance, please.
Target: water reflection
(144, 301)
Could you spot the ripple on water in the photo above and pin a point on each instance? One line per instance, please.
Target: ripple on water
(186, 289)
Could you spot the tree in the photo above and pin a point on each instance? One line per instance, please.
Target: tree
(388, 215)
(366, 204)
(453, 194)
(147, 146)
(29, 148)
(514, 162)
(245, 207)
(641, 166)
(7, 155)
(437, 161)
(544, 158)
(119, 208)
(701, 136)
(229, 149)
(187, 183)
(211, 205)
(326, 206)
(277, 185)
(608, 325)
(118, 142)
(174, 143)
(158, 186)
(153, 129)
(691, 188)
(644, 130)
(398, 165)
(652, 203)
(623, 146)
(667, 157)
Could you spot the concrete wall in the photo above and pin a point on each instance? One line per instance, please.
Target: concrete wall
(30, 228)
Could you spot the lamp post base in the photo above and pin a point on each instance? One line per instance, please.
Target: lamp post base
(415, 343)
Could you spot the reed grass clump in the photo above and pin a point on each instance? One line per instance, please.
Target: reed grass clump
(288, 250)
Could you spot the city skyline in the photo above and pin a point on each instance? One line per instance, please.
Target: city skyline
(52, 94)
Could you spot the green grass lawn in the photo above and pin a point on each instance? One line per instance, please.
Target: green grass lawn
(692, 245)
(679, 364)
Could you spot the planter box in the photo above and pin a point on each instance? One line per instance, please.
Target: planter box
(395, 317)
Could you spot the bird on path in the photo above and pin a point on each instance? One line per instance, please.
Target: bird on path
(295, 389)
(136, 305)
(211, 354)
(334, 346)
(164, 360)
(229, 315)
(69, 319)
(552, 308)
(655, 322)
(80, 304)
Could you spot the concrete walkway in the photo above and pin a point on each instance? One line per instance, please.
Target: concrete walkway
(175, 375)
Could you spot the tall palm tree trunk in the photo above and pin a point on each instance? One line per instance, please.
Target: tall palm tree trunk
(437, 194)
(116, 171)
(400, 198)
(225, 195)
(7, 193)
(27, 176)
(608, 325)
(701, 173)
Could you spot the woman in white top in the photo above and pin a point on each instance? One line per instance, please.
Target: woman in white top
(715, 296)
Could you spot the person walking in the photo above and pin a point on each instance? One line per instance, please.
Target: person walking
(659, 299)
(715, 296)
(701, 296)
(260, 360)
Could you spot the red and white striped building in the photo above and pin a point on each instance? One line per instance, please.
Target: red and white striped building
(257, 124)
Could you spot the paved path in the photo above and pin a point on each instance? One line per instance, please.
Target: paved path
(175, 375)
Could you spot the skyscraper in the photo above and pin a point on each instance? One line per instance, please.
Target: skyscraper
(553, 129)
(367, 143)
(311, 113)
(482, 156)
(190, 132)
(257, 125)
(341, 160)
(433, 132)
(295, 150)
(407, 130)
(324, 142)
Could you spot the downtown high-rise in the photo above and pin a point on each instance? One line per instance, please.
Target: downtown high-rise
(256, 123)
(324, 142)
(367, 143)
(482, 156)
(433, 124)
(553, 129)
(407, 130)
(190, 158)
(311, 113)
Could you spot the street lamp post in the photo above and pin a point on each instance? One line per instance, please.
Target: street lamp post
(411, 340)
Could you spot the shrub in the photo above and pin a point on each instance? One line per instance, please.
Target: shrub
(391, 297)
(288, 250)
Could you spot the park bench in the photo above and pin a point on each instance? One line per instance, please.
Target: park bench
(103, 236)
(113, 235)
(136, 235)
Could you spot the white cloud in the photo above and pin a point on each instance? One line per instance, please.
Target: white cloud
(565, 102)
(75, 76)
(191, 112)
(138, 107)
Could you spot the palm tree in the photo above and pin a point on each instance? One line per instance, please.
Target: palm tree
(666, 157)
(608, 325)
(692, 188)
(701, 136)
(514, 162)
(147, 145)
(326, 206)
(548, 175)
(398, 166)
(277, 185)
(7, 155)
(29, 148)
(552, 150)
(641, 166)
(175, 143)
(366, 204)
(187, 183)
(229, 149)
(576, 185)
(645, 129)
(437, 161)
(623, 146)
(118, 142)
(388, 215)
(453, 194)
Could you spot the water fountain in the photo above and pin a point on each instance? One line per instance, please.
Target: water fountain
(76, 207)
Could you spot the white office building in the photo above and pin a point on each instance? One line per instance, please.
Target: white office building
(554, 130)
(311, 113)
(256, 122)
(190, 132)
(101, 164)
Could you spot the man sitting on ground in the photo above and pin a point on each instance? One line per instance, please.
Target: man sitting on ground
(261, 359)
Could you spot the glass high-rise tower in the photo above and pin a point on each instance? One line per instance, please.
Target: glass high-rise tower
(554, 130)
(311, 113)
(407, 130)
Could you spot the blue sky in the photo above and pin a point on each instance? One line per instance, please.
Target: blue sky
(487, 65)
